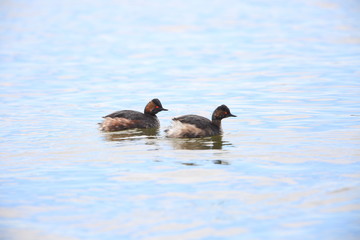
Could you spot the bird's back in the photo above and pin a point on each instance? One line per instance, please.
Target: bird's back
(128, 114)
(192, 126)
(127, 119)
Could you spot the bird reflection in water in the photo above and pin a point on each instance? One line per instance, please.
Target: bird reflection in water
(220, 162)
(214, 142)
(131, 135)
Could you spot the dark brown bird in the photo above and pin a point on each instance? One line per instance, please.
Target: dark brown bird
(193, 126)
(127, 119)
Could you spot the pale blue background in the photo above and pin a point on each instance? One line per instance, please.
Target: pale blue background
(286, 168)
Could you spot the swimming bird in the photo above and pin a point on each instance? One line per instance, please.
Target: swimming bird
(127, 119)
(194, 126)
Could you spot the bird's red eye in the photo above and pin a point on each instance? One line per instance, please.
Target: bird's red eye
(157, 107)
(226, 112)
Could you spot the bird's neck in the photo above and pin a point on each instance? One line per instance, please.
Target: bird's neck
(216, 122)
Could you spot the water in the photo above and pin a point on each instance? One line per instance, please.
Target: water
(286, 168)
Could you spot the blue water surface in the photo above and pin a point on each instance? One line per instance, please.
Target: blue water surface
(286, 168)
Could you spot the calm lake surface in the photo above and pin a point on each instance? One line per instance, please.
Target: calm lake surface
(288, 167)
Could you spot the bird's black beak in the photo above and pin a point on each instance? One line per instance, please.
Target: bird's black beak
(163, 109)
(231, 115)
